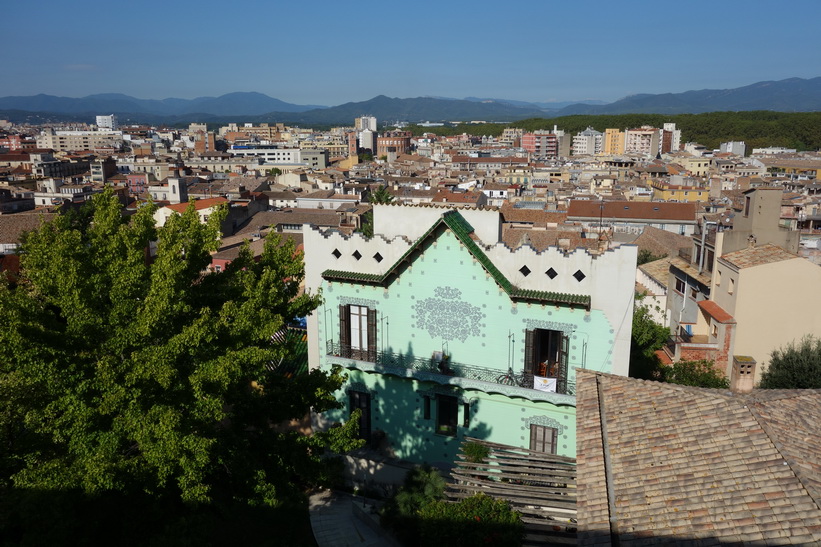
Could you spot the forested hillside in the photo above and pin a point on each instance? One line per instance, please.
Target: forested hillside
(758, 129)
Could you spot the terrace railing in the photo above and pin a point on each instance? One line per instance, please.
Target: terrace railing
(444, 367)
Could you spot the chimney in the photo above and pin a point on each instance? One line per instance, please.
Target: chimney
(743, 374)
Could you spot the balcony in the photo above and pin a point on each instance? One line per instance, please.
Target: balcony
(690, 347)
(444, 372)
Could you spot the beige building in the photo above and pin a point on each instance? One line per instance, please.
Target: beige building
(65, 141)
(644, 140)
(762, 298)
(698, 167)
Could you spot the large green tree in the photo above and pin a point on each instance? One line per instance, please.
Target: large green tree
(795, 366)
(123, 372)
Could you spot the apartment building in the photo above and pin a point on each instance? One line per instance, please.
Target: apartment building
(66, 141)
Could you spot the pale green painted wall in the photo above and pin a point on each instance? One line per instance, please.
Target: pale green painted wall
(446, 299)
(397, 408)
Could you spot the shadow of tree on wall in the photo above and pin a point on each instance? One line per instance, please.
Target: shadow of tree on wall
(399, 412)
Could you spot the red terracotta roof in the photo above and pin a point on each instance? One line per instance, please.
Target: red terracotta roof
(715, 311)
(654, 210)
(199, 204)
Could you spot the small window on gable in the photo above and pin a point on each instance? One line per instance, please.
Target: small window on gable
(718, 278)
(714, 330)
(731, 286)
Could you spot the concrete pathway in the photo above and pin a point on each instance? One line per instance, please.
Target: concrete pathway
(339, 519)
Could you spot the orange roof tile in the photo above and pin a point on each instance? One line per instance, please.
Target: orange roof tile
(199, 204)
(715, 311)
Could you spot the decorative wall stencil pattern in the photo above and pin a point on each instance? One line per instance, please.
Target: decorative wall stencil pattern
(550, 325)
(543, 421)
(447, 317)
(346, 300)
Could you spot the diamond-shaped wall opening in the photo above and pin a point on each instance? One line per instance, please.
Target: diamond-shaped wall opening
(336, 253)
(525, 271)
(579, 275)
(357, 255)
(551, 273)
(377, 257)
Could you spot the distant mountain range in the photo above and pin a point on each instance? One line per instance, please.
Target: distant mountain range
(791, 95)
(117, 103)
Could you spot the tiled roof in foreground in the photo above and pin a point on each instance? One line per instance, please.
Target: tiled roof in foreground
(462, 230)
(675, 465)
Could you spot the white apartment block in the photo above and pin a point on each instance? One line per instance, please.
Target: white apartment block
(588, 142)
(675, 144)
(107, 123)
(734, 147)
(266, 154)
(365, 123)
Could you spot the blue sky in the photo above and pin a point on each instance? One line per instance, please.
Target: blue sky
(333, 52)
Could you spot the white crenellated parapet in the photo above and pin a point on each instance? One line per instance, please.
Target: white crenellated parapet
(608, 278)
(322, 247)
(413, 221)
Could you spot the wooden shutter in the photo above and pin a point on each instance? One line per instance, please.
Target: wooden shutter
(553, 434)
(536, 442)
(371, 335)
(530, 351)
(344, 330)
(564, 350)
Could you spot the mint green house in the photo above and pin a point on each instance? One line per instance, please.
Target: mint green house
(445, 332)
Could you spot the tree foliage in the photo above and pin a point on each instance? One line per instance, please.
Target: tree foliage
(477, 520)
(381, 195)
(420, 515)
(646, 255)
(647, 337)
(794, 366)
(423, 485)
(695, 373)
(122, 374)
(801, 130)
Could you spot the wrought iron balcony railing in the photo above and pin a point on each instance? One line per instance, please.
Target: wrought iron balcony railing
(444, 367)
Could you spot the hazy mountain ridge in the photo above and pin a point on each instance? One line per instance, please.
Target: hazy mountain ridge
(790, 95)
(239, 104)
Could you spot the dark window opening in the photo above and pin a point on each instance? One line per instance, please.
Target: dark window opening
(447, 414)
(546, 355)
(362, 401)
